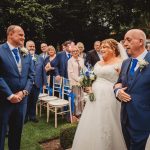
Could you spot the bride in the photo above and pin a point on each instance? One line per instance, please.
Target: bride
(99, 127)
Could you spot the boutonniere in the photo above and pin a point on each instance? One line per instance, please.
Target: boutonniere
(142, 64)
(24, 51)
(35, 58)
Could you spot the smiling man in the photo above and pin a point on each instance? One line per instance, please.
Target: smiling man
(16, 78)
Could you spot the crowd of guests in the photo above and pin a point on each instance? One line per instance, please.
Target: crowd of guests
(67, 64)
(23, 73)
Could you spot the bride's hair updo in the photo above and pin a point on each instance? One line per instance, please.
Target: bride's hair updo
(113, 44)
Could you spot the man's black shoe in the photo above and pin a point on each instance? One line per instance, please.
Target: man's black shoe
(25, 121)
(34, 120)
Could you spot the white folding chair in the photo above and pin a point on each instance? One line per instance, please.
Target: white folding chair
(45, 99)
(57, 106)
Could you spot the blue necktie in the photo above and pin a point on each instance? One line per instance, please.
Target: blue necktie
(15, 51)
(69, 55)
(134, 63)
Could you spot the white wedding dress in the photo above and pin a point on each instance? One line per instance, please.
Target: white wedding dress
(99, 127)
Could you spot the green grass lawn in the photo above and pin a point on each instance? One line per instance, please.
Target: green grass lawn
(37, 132)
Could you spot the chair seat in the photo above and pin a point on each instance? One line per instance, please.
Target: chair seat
(48, 98)
(43, 95)
(59, 103)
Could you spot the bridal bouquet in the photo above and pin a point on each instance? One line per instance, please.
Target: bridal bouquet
(87, 77)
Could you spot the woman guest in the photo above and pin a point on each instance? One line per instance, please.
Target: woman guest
(75, 64)
(81, 48)
(50, 63)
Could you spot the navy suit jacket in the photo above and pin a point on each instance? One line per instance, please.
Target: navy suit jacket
(92, 57)
(138, 109)
(40, 73)
(62, 64)
(10, 79)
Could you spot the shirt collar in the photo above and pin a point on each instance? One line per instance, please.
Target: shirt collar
(67, 53)
(142, 56)
(11, 46)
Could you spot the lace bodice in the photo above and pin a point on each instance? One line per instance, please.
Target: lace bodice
(107, 72)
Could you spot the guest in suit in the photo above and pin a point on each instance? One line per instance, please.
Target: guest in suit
(75, 64)
(16, 78)
(50, 63)
(62, 59)
(44, 50)
(93, 56)
(133, 90)
(39, 81)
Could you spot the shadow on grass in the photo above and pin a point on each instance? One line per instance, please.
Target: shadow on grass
(35, 133)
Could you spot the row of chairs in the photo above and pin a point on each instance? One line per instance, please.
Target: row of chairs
(57, 104)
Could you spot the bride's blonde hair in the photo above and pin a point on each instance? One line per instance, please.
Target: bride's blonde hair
(113, 44)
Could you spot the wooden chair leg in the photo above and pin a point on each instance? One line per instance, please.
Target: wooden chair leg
(48, 113)
(40, 107)
(36, 109)
(55, 117)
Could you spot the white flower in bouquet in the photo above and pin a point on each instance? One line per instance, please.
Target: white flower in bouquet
(24, 51)
(81, 78)
(142, 64)
(92, 77)
(87, 77)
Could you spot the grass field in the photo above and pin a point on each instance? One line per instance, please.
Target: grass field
(33, 133)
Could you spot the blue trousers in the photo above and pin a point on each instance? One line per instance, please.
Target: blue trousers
(32, 99)
(12, 115)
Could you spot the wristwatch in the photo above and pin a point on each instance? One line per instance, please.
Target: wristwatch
(25, 92)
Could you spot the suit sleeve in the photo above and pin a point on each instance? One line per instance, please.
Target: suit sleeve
(87, 59)
(5, 88)
(120, 75)
(31, 76)
(44, 77)
(56, 65)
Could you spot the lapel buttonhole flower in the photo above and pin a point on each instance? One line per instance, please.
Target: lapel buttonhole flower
(24, 51)
(142, 64)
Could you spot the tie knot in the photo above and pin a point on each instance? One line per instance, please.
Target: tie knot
(134, 62)
(15, 51)
(69, 55)
(133, 65)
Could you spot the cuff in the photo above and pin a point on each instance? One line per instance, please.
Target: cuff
(116, 91)
(10, 97)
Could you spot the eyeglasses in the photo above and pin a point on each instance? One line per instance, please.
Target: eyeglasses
(76, 51)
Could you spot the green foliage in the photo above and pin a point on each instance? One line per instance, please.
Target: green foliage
(81, 20)
(67, 135)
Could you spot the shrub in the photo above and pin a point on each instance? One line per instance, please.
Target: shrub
(67, 133)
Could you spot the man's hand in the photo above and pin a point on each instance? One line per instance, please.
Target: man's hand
(20, 94)
(15, 99)
(44, 87)
(118, 85)
(123, 96)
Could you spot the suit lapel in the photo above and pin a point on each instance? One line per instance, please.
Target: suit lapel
(138, 73)
(22, 63)
(96, 55)
(11, 58)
